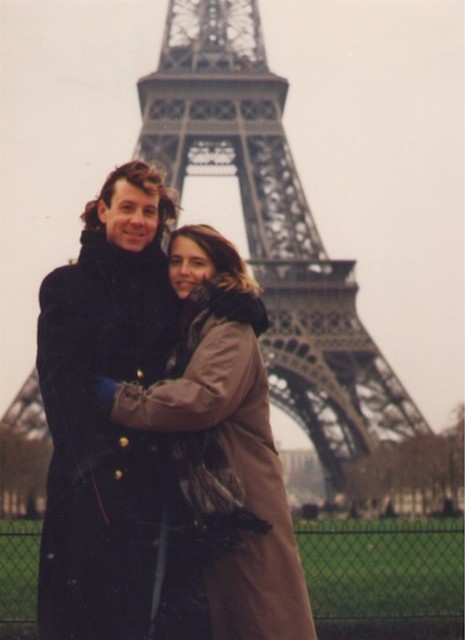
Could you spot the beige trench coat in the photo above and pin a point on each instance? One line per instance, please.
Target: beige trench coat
(259, 592)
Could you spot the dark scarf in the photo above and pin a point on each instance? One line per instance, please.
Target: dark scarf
(208, 483)
(97, 251)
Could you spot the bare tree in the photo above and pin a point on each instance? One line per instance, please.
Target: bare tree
(426, 471)
(23, 470)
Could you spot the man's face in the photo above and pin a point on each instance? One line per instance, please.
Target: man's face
(131, 220)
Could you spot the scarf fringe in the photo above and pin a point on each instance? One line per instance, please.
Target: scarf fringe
(220, 533)
(240, 519)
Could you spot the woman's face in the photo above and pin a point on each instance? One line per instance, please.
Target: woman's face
(189, 265)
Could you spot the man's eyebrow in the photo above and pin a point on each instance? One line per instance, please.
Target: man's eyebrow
(128, 202)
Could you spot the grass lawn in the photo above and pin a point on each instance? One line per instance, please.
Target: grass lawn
(19, 554)
(368, 580)
(390, 568)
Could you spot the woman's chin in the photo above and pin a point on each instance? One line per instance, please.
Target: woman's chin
(183, 293)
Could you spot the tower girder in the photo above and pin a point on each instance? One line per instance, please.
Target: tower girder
(214, 108)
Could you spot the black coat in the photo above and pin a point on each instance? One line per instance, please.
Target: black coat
(114, 314)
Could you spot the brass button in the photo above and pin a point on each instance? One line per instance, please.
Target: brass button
(123, 442)
(140, 374)
(118, 474)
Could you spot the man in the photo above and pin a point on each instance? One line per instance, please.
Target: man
(109, 490)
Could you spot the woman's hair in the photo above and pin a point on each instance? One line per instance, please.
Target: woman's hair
(144, 177)
(231, 269)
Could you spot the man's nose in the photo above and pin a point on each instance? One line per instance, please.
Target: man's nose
(137, 217)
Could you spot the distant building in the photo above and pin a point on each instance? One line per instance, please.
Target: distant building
(303, 476)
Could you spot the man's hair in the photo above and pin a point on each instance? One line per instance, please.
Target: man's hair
(231, 269)
(144, 177)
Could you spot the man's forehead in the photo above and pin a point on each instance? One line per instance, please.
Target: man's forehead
(124, 189)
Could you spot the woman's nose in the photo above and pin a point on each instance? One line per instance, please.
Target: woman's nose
(184, 267)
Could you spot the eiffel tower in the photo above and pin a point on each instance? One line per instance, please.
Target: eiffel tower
(214, 108)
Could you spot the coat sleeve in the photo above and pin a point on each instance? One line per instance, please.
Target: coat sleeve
(217, 380)
(64, 341)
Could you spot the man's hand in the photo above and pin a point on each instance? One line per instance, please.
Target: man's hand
(102, 391)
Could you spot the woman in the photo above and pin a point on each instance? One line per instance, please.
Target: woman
(223, 447)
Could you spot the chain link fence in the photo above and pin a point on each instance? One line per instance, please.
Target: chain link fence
(385, 570)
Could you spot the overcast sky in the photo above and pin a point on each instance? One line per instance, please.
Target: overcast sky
(374, 118)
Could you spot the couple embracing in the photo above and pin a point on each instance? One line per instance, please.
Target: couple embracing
(167, 516)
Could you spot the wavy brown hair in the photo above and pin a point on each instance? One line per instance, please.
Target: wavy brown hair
(232, 272)
(144, 177)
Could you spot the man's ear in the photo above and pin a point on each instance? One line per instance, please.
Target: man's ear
(102, 211)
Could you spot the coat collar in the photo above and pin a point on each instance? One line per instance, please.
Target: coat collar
(97, 252)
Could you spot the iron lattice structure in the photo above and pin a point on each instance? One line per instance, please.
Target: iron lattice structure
(214, 108)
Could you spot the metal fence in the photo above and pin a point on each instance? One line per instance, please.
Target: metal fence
(385, 569)
(356, 570)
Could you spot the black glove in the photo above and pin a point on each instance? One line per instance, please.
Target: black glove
(239, 307)
(102, 391)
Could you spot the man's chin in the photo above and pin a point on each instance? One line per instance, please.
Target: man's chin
(135, 247)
